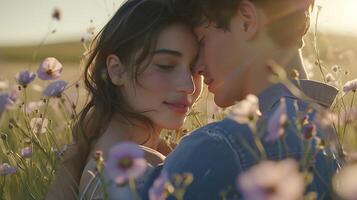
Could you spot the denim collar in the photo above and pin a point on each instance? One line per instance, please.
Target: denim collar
(321, 93)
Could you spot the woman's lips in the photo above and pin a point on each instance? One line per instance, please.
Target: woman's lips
(181, 108)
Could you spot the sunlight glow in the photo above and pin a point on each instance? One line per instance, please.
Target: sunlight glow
(337, 16)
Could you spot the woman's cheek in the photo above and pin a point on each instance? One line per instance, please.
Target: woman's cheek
(156, 80)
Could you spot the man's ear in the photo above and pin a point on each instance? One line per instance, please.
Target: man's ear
(249, 19)
(115, 70)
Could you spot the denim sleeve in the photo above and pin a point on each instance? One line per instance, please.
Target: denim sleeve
(208, 156)
(144, 191)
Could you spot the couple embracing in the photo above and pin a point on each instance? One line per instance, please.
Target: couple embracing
(145, 73)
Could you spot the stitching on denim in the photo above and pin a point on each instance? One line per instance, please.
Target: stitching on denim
(220, 133)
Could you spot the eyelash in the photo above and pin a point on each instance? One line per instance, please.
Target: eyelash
(166, 67)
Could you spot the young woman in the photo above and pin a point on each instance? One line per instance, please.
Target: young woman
(140, 78)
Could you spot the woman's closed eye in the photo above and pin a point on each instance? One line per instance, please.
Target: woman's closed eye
(165, 66)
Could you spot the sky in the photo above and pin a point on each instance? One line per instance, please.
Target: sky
(27, 22)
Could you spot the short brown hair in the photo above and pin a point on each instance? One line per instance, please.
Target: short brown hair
(290, 19)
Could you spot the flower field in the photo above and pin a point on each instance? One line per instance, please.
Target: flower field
(41, 97)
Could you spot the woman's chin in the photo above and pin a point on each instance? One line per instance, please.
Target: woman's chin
(173, 125)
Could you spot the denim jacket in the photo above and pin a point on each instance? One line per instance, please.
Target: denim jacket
(216, 153)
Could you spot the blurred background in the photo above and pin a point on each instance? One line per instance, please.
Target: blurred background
(31, 30)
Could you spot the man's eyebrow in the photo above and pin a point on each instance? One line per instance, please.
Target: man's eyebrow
(168, 51)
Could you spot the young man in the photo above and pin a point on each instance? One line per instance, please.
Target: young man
(238, 38)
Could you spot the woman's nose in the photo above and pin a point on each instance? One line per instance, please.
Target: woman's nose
(186, 83)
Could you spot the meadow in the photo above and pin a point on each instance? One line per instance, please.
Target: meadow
(28, 174)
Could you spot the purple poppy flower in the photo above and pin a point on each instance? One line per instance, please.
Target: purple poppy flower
(24, 78)
(50, 69)
(276, 122)
(4, 100)
(26, 152)
(125, 160)
(6, 169)
(55, 89)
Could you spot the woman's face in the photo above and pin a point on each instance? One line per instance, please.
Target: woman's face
(167, 88)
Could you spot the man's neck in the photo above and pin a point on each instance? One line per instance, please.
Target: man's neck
(296, 63)
(258, 78)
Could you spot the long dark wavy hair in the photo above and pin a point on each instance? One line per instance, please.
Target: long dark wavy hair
(131, 34)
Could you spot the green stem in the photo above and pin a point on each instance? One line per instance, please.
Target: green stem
(316, 48)
(257, 141)
(132, 186)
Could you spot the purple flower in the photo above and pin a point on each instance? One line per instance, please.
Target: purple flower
(309, 131)
(6, 169)
(49, 69)
(160, 188)
(276, 122)
(55, 89)
(24, 78)
(26, 152)
(125, 160)
(350, 86)
(4, 100)
(272, 180)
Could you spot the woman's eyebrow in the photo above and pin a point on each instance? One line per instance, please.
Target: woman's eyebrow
(168, 51)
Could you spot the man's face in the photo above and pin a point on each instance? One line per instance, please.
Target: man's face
(222, 59)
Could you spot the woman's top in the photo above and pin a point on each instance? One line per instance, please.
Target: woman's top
(91, 186)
